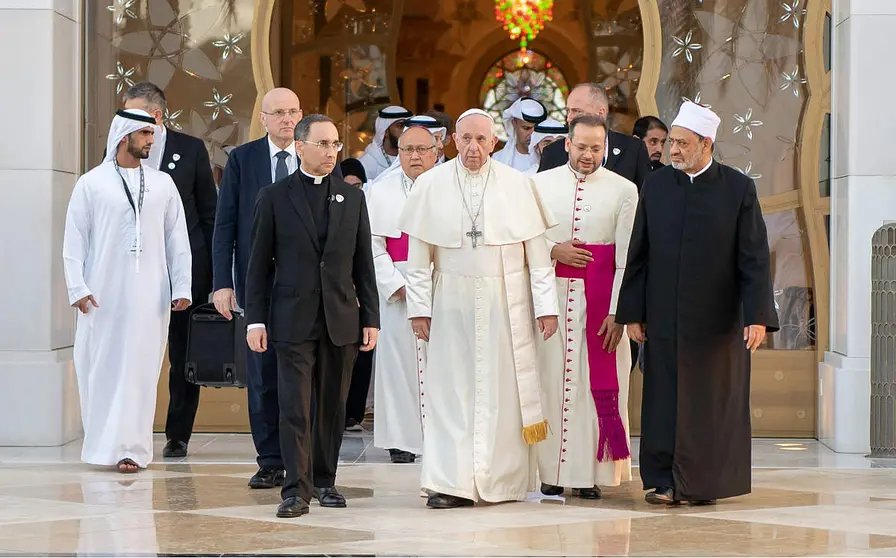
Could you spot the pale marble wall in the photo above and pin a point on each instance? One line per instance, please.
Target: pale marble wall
(863, 197)
(39, 164)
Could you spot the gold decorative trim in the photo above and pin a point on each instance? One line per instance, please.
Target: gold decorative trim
(651, 64)
(818, 104)
(262, 72)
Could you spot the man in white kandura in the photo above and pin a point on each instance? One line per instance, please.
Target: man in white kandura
(383, 149)
(127, 262)
(584, 376)
(544, 134)
(479, 278)
(520, 119)
(400, 357)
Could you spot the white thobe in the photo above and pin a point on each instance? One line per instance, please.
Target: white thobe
(119, 346)
(400, 357)
(376, 161)
(510, 156)
(600, 210)
(473, 447)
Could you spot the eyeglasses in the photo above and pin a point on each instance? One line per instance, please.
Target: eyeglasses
(418, 149)
(327, 145)
(280, 113)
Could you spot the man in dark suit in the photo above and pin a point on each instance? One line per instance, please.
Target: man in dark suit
(311, 230)
(623, 155)
(185, 159)
(249, 168)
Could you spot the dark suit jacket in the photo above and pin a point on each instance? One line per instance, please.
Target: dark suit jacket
(248, 170)
(339, 274)
(632, 162)
(192, 174)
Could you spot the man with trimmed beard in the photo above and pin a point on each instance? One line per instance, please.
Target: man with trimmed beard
(382, 151)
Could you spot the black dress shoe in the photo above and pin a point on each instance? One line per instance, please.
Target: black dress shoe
(702, 502)
(400, 456)
(661, 496)
(447, 502)
(589, 493)
(551, 490)
(267, 477)
(329, 498)
(175, 448)
(292, 507)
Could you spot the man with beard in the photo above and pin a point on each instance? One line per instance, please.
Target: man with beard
(520, 119)
(698, 289)
(544, 134)
(653, 133)
(584, 377)
(382, 151)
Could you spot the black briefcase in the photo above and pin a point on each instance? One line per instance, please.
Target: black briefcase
(216, 349)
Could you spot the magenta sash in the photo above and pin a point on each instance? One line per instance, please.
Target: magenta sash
(598, 278)
(397, 248)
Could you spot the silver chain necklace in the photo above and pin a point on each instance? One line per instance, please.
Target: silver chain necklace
(474, 233)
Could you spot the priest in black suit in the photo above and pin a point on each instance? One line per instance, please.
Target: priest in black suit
(185, 158)
(624, 155)
(312, 230)
(698, 288)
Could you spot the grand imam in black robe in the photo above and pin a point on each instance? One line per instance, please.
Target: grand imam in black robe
(698, 271)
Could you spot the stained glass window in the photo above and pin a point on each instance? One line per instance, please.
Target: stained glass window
(523, 74)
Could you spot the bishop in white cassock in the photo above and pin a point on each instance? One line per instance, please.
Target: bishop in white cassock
(127, 261)
(584, 377)
(400, 357)
(479, 279)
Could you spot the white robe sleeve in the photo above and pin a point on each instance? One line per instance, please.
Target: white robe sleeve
(388, 279)
(419, 286)
(541, 277)
(177, 248)
(625, 221)
(76, 242)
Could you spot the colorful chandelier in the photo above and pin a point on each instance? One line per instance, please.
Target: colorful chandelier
(523, 19)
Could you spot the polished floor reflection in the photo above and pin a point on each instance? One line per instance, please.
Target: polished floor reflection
(807, 501)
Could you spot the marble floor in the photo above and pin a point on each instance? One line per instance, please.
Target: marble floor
(807, 501)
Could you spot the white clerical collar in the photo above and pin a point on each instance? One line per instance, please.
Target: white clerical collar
(580, 176)
(606, 148)
(317, 179)
(470, 172)
(291, 148)
(701, 171)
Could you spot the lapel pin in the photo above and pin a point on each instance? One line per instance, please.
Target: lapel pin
(171, 166)
(587, 208)
(176, 157)
(339, 198)
(616, 151)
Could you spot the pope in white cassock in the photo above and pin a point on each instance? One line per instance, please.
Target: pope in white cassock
(584, 377)
(382, 151)
(479, 279)
(520, 119)
(127, 263)
(400, 357)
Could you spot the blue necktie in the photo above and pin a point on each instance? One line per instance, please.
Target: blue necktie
(281, 171)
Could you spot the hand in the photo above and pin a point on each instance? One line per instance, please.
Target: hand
(548, 326)
(754, 335)
(180, 304)
(421, 328)
(637, 332)
(257, 339)
(225, 302)
(400, 294)
(613, 332)
(567, 253)
(84, 304)
(369, 335)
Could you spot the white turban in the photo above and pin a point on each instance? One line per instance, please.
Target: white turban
(125, 123)
(549, 128)
(524, 108)
(697, 119)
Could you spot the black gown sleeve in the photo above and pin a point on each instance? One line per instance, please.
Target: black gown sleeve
(754, 264)
(632, 305)
(260, 260)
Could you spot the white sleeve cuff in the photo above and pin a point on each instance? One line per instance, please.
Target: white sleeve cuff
(254, 326)
(544, 292)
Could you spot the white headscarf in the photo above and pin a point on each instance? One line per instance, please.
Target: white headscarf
(549, 128)
(698, 119)
(529, 110)
(385, 119)
(125, 123)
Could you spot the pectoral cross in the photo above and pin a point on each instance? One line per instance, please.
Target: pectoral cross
(474, 235)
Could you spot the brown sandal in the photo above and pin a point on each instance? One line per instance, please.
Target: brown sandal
(127, 466)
